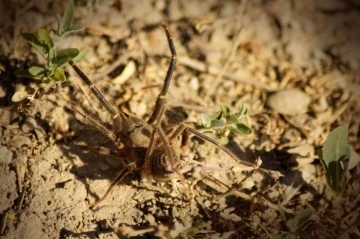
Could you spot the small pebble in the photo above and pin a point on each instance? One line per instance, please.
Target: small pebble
(126, 74)
(29, 125)
(289, 102)
(40, 133)
(2, 92)
(354, 158)
(19, 141)
(303, 150)
(5, 155)
(194, 83)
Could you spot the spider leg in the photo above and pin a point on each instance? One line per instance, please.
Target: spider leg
(93, 121)
(118, 155)
(185, 131)
(116, 116)
(184, 137)
(158, 112)
(118, 178)
(161, 99)
(93, 88)
(146, 172)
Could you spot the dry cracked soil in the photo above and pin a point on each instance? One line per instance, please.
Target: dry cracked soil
(296, 65)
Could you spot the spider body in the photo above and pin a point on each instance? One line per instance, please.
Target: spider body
(144, 144)
(132, 131)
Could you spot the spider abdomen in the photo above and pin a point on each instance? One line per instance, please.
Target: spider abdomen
(163, 169)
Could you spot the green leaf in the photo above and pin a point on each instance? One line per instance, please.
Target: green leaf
(58, 75)
(232, 120)
(23, 73)
(218, 115)
(223, 140)
(302, 218)
(217, 124)
(80, 56)
(241, 129)
(224, 110)
(335, 175)
(336, 147)
(44, 36)
(335, 156)
(67, 17)
(64, 55)
(242, 113)
(205, 120)
(41, 42)
(285, 215)
(336, 181)
(35, 42)
(74, 28)
(59, 22)
(37, 71)
(214, 116)
(297, 223)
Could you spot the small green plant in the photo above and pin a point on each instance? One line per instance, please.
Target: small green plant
(334, 156)
(43, 42)
(65, 25)
(295, 223)
(222, 123)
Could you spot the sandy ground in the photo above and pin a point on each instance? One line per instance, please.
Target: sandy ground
(295, 63)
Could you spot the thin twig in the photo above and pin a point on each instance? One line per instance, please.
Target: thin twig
(21, 201)
(236, 187)
(3, 223)
(18, 176)
(223, 188)
(350, 228)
